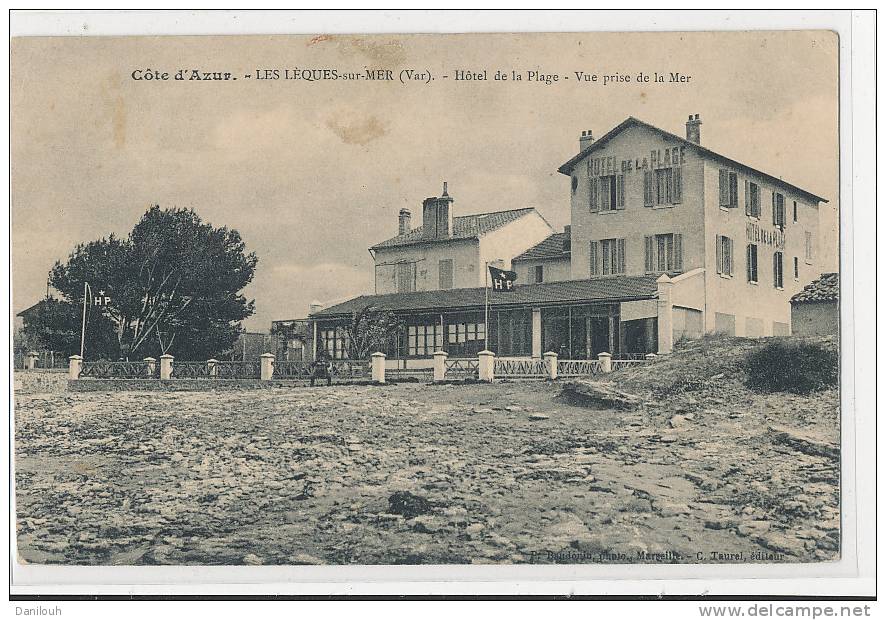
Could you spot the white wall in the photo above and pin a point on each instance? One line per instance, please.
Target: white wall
(464, 254)
(511, 240)
(760, 302)
(555, 269)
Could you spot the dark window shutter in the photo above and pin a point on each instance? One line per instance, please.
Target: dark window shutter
(677, 185)
(620, 191)
(606, 193)
(733, 190)
(724, 188)
(593, 187)
(774, 209)
(620, 263)
(747, 197)
(594, 258)
(678, 253)
(747, 260)
(649, 256)
(719, 254)
(731, 256)
(648, 195)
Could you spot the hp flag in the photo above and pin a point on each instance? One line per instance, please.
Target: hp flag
(502, 281)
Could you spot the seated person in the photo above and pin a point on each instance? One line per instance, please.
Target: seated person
(322, 368)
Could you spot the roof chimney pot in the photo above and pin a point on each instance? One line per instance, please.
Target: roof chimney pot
(693, 129)
(586, 139)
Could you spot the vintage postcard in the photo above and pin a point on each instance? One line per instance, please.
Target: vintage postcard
(442, 299)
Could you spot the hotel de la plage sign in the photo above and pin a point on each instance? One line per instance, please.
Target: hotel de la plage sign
(658, 158)
(765, 236)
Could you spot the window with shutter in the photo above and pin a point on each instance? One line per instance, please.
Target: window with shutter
(678, 253)
(620, 264)
(649, 254)
(778, 270)
(727, 256)
(754, 199)
(648, 189)
(752, 262)
(724, 188)
(620, 191)
(606, 193)
(796, 268)
(593, 191)
(677, 185)
(594, 260)
(728, 189)
(747, 197)
(446, 273)
(719, 254)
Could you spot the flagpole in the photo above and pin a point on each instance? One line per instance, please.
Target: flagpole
(486, 319)
(83, 327)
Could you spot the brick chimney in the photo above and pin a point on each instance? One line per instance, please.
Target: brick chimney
(405, 221)
(316, 306)
(587, 137)
(693, 129)
(567, 238)
(437, 216)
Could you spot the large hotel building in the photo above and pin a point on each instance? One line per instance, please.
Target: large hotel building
(668, 240)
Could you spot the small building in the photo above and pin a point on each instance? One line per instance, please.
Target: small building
(548, 261)
(815, 311)
(450, 252)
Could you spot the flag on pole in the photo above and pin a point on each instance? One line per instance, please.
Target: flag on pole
(102, 299)
(502, 281)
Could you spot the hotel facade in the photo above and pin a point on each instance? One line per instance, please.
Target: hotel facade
(667, 240)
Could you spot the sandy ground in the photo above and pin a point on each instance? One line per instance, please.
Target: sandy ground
(503, 473)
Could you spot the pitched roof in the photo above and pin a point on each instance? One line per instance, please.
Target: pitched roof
(552, 247)
(463, 227)
(568, 167)
(825, 288)
(619, 288)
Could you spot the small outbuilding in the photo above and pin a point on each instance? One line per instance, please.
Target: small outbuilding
(815, 311)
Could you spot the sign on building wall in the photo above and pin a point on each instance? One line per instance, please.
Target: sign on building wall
(765, 236)
(658, 158)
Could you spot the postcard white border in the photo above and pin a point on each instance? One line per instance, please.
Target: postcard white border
(853, 575)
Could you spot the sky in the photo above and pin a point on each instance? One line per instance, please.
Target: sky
(314, 173)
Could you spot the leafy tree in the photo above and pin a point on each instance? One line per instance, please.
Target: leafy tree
(371, 330)
(175, 284)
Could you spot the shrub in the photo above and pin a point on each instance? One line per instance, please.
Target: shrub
(799, 368)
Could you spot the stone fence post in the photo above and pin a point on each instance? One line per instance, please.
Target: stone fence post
(75, 364)
(551, 364)
(605, 361)
(378, 367)
(211, 367)
(486, 365)
(166, 367)
(152, 366)
(665, 314)
(440, 365)
(267, 366)
(31, 358)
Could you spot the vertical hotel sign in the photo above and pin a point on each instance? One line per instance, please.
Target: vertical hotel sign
(765, 236)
